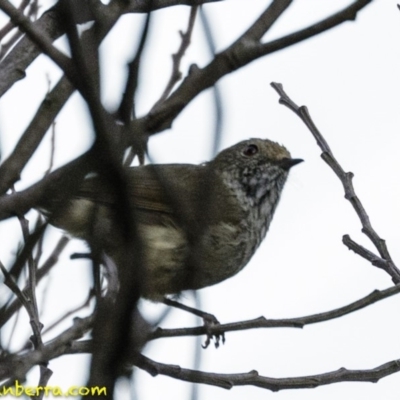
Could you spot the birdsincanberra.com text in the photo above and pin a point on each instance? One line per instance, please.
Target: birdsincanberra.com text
(19, 390)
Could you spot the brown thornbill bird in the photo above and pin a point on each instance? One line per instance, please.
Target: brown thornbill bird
(199, 224)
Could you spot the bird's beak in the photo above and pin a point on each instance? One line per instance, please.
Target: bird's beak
(287, 163)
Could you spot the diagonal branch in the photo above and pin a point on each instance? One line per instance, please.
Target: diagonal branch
(346, 179)
(10, 170)
(38, 37)
(243, 51)
(7, 311)
(25, 52)
(17, 366)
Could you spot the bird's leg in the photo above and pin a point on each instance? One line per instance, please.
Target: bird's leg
(209, 321)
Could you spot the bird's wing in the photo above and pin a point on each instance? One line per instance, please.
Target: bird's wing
(161, 188)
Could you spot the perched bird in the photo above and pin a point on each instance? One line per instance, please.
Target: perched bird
(199, 224)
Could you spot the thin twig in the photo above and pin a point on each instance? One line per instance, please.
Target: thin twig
(31, 292)
(346, 179)
(10, 170)
(176, 74)
(69, 313)
(52, 147)
(16, 366)
(8, 311)
(12, 285)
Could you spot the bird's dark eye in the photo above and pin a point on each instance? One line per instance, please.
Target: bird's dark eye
(250, 150)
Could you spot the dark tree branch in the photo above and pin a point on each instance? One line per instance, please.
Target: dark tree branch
(38, 37)
(366, 254)
(237, 55)
(252, 378)
(10, 26)
(25, 52)
(347, 181)
(64, 344)
(17, 366)
(7, 311)
(243, 51)
(67, 177)
(127, 107)
(32, 13)
(262, 322)
(54, 101)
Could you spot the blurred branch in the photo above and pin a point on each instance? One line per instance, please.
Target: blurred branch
(10, 26)
(25, 52)
(215, 89)
(262, 322)
(38, 37)
(243, 51)
(85, 304)
(110, 340)
(12, 285)
(385, 260)
(4, 47)
(7, 312)
(237, 55)
(127, 107)
(252, 378)
(17, 366)
(10, 170)
(32, 13)
(33, 311)
(67, 177)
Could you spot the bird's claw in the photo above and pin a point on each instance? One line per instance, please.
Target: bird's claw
(210, 321)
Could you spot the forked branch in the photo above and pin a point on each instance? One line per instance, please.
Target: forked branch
(384, 261)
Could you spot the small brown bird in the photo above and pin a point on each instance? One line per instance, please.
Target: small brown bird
(199, 224)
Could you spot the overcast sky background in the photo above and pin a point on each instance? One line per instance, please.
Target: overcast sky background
(349, 79)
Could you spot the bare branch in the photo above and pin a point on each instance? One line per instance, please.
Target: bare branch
(127, 107)
(10, 26)
(345, 178)
(8, 311)
(39, 38)
(243, 51)
(85, 304)
(252, 378)
(11, 168)
(367, 254)
(25, 52)
(176, 74)
(17, 366)
(262, 322)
